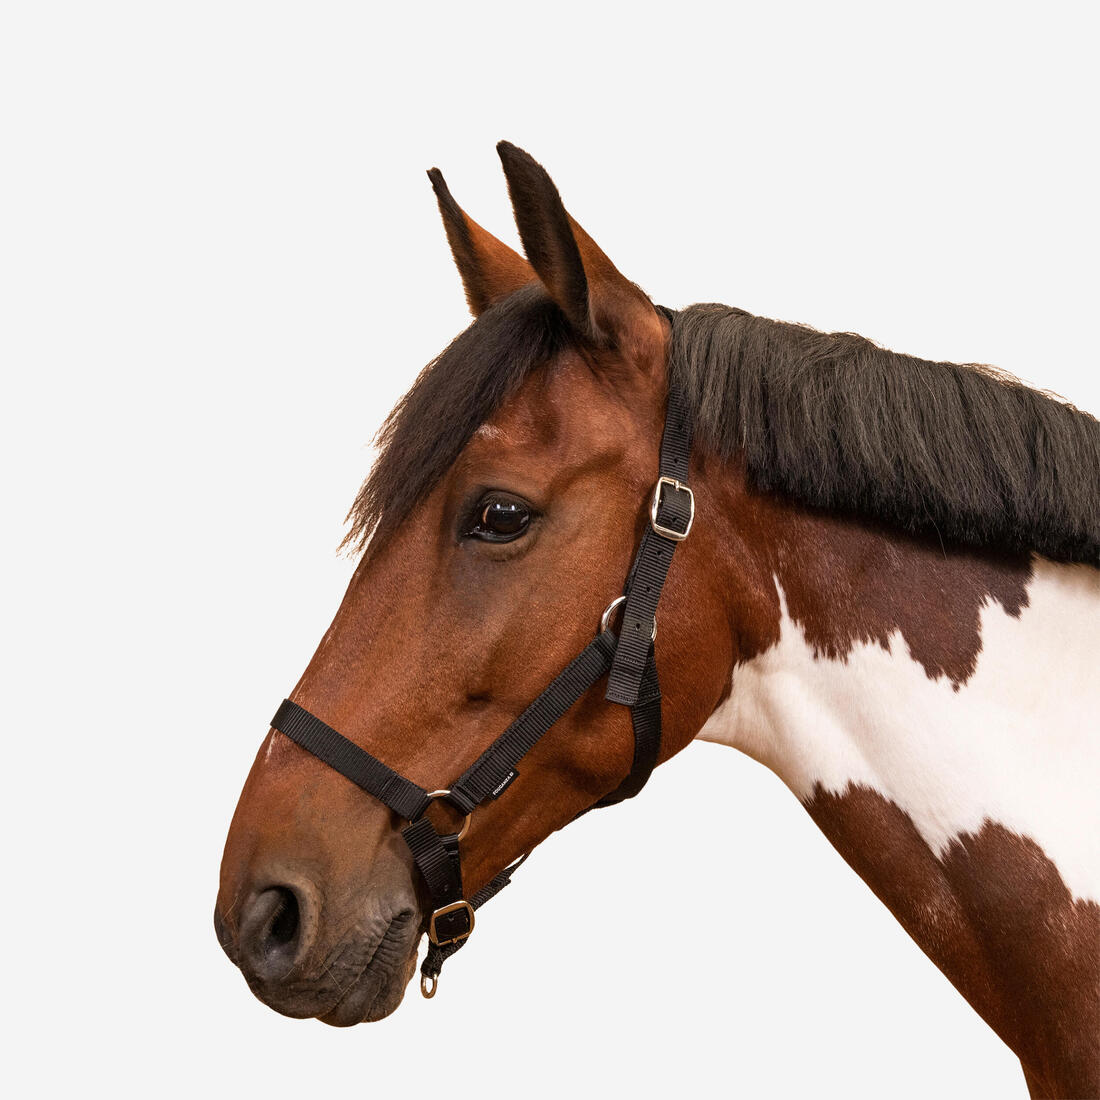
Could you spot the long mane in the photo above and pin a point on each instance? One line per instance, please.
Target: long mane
(836, 422)
(827, 419)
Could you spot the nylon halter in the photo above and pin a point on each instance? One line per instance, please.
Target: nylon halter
(628, 661)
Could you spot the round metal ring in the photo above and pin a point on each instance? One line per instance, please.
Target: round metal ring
(444, 793)
(612, 607)
(427, 991)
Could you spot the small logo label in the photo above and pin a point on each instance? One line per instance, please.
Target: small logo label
(504, 784)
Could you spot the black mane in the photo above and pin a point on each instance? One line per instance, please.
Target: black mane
(829, 419)
(834, 421)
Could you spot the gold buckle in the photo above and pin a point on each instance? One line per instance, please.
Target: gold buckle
(454, 907)
(655, 504)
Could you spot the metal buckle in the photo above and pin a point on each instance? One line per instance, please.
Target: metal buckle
(458, 932)
(445, 793)
(655, 504)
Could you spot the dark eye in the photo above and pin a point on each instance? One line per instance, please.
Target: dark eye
(501, 519)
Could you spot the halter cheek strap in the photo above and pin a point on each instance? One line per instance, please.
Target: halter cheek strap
(627, 660)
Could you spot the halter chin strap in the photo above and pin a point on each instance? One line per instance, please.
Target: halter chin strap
(629, 663)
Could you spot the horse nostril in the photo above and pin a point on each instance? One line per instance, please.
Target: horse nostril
(283, 930)
(271, 931)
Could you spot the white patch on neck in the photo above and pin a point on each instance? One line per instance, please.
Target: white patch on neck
(1018, 743)
(270, 745)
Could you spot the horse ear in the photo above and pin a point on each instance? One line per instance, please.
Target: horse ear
(601, 304)
(490, 270)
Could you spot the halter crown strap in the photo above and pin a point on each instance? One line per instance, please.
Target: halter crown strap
(671, 514)
(627, 659)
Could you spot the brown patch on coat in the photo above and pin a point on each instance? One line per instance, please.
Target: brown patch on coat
(848, 581)
(995, 916)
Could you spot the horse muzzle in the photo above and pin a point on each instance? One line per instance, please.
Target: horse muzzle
(304, 958)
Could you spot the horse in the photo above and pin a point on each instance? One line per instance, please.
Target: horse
(888, 592)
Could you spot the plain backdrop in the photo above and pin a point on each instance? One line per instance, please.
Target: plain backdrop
(222, 264)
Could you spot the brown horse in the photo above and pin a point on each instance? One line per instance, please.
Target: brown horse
(890, 596)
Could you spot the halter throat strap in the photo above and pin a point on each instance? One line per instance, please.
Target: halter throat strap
(627, 659)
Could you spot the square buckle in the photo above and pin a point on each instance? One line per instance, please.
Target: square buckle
(655, 504)
(451, 924)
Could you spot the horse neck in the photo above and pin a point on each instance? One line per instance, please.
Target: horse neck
(931, 708)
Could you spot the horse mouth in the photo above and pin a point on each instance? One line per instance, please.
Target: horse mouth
(379, 986)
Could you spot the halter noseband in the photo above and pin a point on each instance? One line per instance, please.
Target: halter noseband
(631, 668)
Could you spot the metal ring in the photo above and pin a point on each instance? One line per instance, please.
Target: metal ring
(428, 991)
(444, 793)
(612, 607)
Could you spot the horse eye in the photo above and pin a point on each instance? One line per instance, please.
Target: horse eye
(502, 520)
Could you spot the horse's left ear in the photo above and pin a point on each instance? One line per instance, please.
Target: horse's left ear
(601, 304)
(490, 270)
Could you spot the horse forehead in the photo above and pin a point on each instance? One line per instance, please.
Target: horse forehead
(554, 408)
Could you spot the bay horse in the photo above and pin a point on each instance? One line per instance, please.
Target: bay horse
(890, 596)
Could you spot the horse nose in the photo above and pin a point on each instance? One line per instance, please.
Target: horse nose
(276, 929)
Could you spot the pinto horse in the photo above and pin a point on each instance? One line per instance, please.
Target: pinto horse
(890, 596)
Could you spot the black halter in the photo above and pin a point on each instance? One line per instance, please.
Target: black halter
(629, 661)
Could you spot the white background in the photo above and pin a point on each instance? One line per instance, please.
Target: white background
(221, 265)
